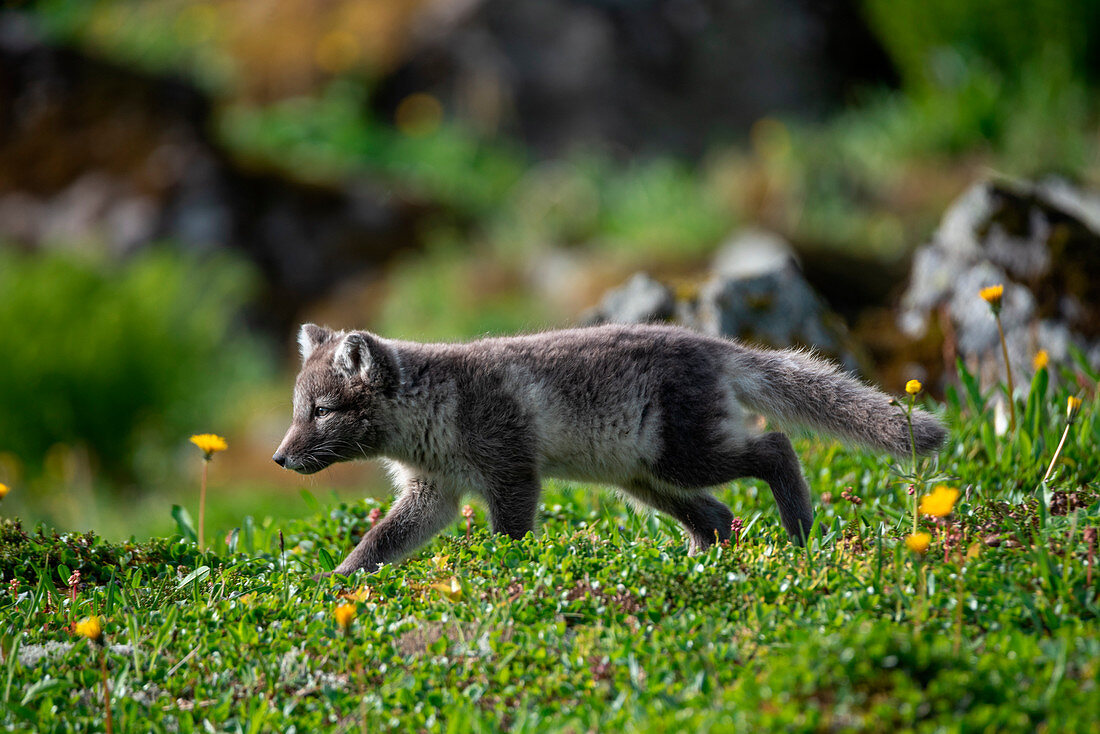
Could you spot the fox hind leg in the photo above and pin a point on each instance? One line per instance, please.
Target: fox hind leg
(771, 457)
(705, 519)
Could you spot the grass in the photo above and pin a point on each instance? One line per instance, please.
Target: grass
(602, 620)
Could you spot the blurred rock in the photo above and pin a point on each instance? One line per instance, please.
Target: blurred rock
(754, 252)
(641, 300)
(642, 76)
(1042, 241)
(756, 293)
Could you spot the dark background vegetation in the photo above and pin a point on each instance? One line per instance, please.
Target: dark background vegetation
(183, 182)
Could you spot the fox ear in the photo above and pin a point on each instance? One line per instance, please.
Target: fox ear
(364, 355)
(311, 336)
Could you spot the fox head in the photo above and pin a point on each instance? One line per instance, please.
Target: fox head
(340, 399)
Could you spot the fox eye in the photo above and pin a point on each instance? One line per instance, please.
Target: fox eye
(320, 412)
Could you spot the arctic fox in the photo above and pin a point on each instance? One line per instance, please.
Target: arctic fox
(661, 412)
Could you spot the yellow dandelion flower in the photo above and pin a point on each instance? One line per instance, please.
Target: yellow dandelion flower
(1073, 405)
(940, 502)
(4, 489)
(918, 542)
(1041, 360)
(344, 614)
(993, 295)
(209, 443)
(913, 387)
(89, 627)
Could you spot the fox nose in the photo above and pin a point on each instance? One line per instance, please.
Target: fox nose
(279, 459)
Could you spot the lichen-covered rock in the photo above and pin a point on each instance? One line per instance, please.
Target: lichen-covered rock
(1042, 242)
(756, 293)
(640, 300)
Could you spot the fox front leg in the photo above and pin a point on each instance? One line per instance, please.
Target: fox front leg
(423, 509)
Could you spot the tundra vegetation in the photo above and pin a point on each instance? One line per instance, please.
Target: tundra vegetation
(986, 621)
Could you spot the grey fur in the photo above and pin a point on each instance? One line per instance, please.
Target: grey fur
(659, 411)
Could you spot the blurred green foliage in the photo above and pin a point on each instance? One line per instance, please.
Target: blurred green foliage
(447, 293)
(444, 294)
(332, 135)
(658, 207)
(653, 206)
(1013, 75)
(938, 43)
(986, 86)
(113, 356)
(154, 36)
(877, 178)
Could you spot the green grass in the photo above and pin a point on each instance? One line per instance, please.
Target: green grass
(601, 621)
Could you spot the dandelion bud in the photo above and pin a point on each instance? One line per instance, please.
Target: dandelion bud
(4, 489)
(1073, 405)
(1041, 360)
(913, 387)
